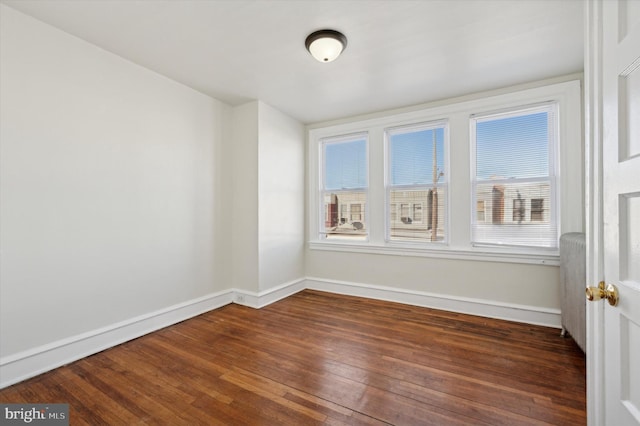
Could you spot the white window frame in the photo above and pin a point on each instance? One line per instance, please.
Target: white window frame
(457, 113)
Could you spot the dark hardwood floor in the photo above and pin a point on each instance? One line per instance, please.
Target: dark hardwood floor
(321, 358)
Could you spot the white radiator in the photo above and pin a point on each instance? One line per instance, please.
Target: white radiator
(573, 281)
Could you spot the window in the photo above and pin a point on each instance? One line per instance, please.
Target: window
(537, 209)
(417, 213)
(356, 212)
(477, 179)
(343, 212)
(344, 187)
(518, 208)
(514, 161)
(404, 213)
(480, 211)
(416, 178)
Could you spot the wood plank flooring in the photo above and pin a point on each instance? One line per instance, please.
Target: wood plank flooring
(321, 358)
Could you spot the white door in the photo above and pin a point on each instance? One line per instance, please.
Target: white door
(621, 208)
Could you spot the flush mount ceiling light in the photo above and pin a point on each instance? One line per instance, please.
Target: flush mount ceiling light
(326, 45)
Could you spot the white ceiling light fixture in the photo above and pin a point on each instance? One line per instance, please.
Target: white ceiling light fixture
(326, 45)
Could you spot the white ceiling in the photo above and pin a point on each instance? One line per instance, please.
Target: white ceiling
(399, 53)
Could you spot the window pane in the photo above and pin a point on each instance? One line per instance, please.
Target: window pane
(480, 211)
(417, 182)
(346, 215)
(356, 212)
(513, 147)
(412, 156)
(513, 203)
(345, 164)
(514, 214)
(514, 179)
(417, 212)
(344, 190)
(404, 211)
(537, 209)
(422, 215)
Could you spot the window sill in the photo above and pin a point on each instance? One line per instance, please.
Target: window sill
(550, 258)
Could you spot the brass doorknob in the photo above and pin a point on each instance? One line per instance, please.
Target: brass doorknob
(609, 292)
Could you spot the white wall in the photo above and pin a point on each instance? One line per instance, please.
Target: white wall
(267, 198)
(243, 177)
(110, 188)
(281, 198)
(504, 283)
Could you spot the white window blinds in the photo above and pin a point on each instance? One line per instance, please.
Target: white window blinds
(513, 173)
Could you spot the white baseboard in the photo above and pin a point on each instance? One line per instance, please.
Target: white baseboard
(23, 365)
(485, 308)
(267, 297)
